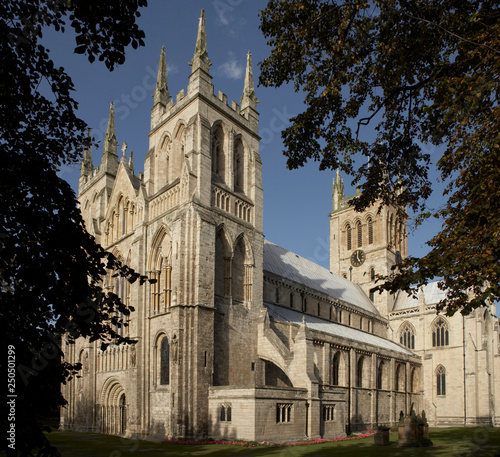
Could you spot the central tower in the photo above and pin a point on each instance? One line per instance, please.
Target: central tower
(366, 244)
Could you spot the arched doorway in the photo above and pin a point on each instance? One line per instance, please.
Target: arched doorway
(113, 408)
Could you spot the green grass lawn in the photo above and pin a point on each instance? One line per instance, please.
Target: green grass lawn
(484, 442)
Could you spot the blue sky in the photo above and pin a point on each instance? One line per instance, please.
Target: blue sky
(296, 203)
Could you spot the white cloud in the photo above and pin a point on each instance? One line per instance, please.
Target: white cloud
(172, 68)
(231, 69)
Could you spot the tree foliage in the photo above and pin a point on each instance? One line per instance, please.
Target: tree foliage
(419, 74)
(50, 267)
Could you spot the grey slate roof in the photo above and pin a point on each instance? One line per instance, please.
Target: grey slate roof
(289, 265)
(432, 295)
(283, 314)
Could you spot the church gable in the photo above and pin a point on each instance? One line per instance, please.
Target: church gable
(121, 213)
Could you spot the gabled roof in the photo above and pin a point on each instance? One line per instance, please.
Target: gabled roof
(291, 266)
(432, 295)
(283, 314)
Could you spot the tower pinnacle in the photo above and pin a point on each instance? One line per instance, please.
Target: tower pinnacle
(110, 143)
(248, 99)
(109, 161)
(200, 57)
(161, 94)
(87, 167)
(338, 191)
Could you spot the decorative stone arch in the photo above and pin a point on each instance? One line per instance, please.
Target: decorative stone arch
(160, 268)
(242, 270)
(223, 261)
(406, 335)
(113, 407)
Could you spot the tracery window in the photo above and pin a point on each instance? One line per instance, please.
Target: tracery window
(407, 336)
(440, 333)
(440, 380)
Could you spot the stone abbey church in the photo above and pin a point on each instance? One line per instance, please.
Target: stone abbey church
(238, 337)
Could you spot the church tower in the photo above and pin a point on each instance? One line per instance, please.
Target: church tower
(366, 244)
(204, 247)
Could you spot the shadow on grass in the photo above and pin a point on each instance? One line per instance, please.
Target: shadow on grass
(451, 442)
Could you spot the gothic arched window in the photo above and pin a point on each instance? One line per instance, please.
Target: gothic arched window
(440, 380)
(407, 336)
(370, 231)
(440, 333)
(164, 362)
(397, 378)
(413, 380)
(372, 274)
(239, 166)
(359, 372)
(381, 375)
(349, 237)
(359, 230)
(336, 369)
(218, 159)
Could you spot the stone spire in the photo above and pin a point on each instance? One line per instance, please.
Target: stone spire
(161, 94)
(338, 191)
(249, 99)
(86, 167)
(200, 58)
(109, 162)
